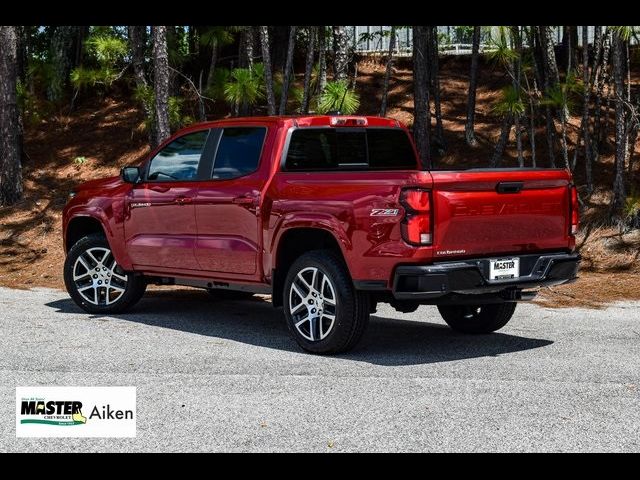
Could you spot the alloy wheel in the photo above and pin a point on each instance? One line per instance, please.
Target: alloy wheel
(98, 278)
(312, 304)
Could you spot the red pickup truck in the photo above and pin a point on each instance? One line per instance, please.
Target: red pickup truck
(328, 214)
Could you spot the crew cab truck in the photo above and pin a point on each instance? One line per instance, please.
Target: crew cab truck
(328, 214)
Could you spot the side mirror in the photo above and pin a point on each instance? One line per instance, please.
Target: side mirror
(130, 174)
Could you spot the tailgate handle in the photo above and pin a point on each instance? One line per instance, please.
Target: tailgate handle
(509, 187)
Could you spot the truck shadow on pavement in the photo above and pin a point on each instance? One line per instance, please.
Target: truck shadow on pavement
(387, 342)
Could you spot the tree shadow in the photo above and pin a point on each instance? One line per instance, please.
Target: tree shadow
(388, 341)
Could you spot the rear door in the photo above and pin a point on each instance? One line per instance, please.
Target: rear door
(227, 205)
(484, 212)
(160, 225)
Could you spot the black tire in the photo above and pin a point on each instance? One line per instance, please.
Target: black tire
(477, 318)
(350, 310)
(223, 294)
(134, 286)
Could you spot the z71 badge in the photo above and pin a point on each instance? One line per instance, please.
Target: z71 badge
(384, 212)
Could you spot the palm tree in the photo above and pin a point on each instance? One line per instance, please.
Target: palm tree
(161, 83)
(244, 88)
(338, 96)
(509, 107)
(288, 70)
(387, 73)
(473, 84)
(10, 167)
(421, 111)
(268, 75)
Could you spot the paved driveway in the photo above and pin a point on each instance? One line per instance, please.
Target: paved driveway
(225, 376)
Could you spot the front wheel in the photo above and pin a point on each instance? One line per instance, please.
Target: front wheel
(477, 318)
(324, 312)
(96, 282)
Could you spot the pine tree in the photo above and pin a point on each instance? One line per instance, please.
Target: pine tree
(421, 115)
(161, 83)
(619, 78)
(469, 133)
(312, 33)
(10, 167)
(268, 75)
(341, 52)
(388, 71)
(288, 70)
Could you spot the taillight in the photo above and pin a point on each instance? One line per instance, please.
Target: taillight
(575, 210)
(417, 226)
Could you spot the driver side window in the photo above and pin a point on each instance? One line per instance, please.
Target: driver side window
(179, 160)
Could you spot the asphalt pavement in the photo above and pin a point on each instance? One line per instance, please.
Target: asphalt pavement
(217, 375)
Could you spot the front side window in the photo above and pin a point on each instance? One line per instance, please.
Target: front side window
(238, 152)
(179, 160)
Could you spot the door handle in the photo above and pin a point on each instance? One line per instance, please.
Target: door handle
(182, 200)
(243, 200)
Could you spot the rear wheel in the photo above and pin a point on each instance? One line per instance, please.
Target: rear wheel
(324, 312)
(477, 318)
(96, 282)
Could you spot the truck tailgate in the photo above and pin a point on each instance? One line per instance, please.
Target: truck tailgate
(480, 212)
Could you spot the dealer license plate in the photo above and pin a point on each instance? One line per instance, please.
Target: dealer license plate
(504, 268)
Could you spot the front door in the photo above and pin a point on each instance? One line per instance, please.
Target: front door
(227, 205)
(160, 227)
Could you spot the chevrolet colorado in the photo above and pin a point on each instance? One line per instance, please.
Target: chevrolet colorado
(328, 214)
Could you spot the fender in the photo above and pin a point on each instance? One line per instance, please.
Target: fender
(318, 220)
(111, 220)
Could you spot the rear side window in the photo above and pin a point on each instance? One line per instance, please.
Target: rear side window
(390, 149)
(179, 160)
(317, 149)
(238, 152)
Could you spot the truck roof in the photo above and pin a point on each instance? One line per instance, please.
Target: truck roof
(301, 121)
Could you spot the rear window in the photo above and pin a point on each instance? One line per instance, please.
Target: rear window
(313, 149)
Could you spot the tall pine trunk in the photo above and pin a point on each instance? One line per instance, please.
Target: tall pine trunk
(268, 75)
(517, 74)
(421, 112)
(288, 70)
(469, 133)
(322, 59)
(212, 62)
(600, 81)
(61, 55)
(341, 53)
(10, 167)
(137, 46)
(585, 110)
(618, 54)
(161, 83)
(388, 71)
(551, 78)
(505, 130)
(435, 78)
(312, 32)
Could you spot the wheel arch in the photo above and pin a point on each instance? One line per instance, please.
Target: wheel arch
(294, 242)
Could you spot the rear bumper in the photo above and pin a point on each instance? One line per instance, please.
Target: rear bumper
(471, 277)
